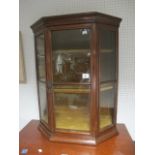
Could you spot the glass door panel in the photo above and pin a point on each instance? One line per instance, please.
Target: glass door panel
(71, 56)
(72, 107)
(41, 76)
(107, 77)
(71, 78)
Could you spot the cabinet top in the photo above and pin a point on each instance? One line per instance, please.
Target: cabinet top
(78, 18)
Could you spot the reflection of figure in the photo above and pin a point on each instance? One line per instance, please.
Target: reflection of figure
(72, 64)
(59, 63)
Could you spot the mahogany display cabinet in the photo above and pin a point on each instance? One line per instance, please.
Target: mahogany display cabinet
(77, 76)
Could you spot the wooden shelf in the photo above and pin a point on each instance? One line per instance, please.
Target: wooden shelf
(81, 50)
(72, 91)
(106, 88)
(106, 50)
(42, 80)
(40, 55)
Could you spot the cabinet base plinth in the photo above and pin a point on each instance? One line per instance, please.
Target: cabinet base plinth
(86, 139)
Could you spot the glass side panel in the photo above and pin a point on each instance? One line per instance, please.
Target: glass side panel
(72, 108)
(43, 102)
(40, 45)
(106, 104)
(107, 55)
(71, 56)
(41, 68)
(107, 77)
(40, 57)
(41, 76)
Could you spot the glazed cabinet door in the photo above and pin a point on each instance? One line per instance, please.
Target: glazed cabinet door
(71, 80)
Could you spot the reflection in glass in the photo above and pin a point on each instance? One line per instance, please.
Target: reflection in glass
(71, 55)
(40, 49)
(72, 108)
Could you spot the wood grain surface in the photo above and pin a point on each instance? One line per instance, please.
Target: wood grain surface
(32, 139)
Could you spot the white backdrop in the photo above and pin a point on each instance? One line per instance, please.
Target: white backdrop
(32, 10)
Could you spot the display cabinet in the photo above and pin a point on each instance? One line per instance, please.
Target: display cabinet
(77, 76)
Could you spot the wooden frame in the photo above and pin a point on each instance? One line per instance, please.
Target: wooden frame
(22, 74)
(92, 21)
